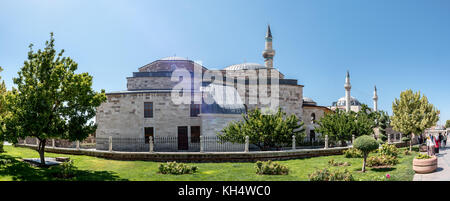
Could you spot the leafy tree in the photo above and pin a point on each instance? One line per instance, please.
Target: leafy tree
(412, 114)
(338, 125)
(382, 121)
(365, 144)
(51, 100)
(341, 125)
(447, 124)
(2, 107)
(264, 130)
(365, 121)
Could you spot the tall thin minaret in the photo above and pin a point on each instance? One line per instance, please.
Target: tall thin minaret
(268, 52)
(375, 100)
(347, 87)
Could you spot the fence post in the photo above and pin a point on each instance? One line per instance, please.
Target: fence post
(400, 137)
(389, 138)
(151, 143)
(326, 141)
(37, 142)
(78, 145)
(246, 144)
(353, 138)
(53, 143)
(293, 142)
(202, 143)
(25, 141)
(110, 143)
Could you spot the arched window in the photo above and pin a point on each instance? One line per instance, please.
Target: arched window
(313, 118)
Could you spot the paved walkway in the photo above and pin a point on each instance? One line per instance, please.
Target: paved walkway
(442, 173)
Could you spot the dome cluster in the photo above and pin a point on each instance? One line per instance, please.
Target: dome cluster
(342, 101)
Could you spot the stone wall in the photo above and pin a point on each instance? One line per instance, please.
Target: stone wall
(306, 117)
(122, 116)
(136, 83)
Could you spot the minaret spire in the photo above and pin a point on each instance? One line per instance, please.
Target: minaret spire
(268, 52)
(375, 99)
(347, 87)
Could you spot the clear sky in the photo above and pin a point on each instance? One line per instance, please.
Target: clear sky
(394, 44)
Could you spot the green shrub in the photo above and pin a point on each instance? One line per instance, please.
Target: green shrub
(382, 137)
(333, 163)
(381, 161)
(271, 168)
(423, 156)
(4, 162)
(407, 152)
(64, 170)
(327, 175)
(388, 149)
(176, 168)
(406, 139)
(365, 144)
(353, 153)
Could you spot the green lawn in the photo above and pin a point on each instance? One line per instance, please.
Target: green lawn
(92, 168)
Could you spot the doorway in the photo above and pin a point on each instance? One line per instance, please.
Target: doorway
(183, 143)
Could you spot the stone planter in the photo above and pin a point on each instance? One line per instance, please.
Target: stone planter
(423, 166)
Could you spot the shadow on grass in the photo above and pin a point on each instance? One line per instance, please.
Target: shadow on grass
(387, 169)
(22, 171)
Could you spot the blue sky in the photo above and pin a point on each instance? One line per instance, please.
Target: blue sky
(397, 45)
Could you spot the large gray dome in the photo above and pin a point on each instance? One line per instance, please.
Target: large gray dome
(353, 101)
(174, 58)
(245, 66)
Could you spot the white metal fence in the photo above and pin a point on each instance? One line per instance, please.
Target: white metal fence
(173, 144)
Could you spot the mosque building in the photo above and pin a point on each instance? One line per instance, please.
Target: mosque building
(147, 108)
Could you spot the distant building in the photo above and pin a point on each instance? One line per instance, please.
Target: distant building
(354, 105)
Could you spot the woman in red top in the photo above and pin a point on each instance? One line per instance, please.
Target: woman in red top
(436, 145)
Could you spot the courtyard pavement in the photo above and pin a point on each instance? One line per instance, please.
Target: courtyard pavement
(442, 173)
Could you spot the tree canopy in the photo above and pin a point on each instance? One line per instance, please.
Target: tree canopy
(365, 144)
(264, 130)
(412, 114)
(51, 100)
(341, 125)
(2, 107)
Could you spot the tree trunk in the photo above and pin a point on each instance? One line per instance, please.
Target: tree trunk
(41, 150)
(364, 164)
(410, 142)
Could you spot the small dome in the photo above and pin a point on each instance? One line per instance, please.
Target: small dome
(245, 66)
(353, 101)
(308, 101)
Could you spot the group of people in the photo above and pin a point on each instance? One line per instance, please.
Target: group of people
(435, 142)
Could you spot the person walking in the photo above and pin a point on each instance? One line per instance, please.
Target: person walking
(444, 140)
(436, 145)
(429, 146)
(432, 145)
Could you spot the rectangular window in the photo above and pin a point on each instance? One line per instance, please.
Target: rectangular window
(148, 131)
(195, 110)
(195, 134)
(148, 109)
